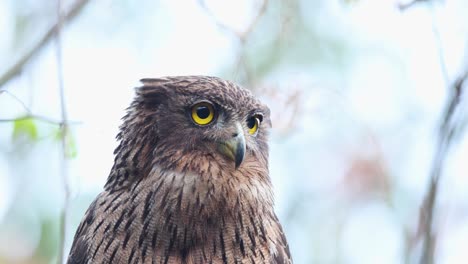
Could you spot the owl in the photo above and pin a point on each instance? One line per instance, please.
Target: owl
(190, 181)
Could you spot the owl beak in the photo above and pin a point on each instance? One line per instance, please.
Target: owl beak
(234, 147)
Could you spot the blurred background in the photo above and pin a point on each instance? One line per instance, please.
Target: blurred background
(368, 99)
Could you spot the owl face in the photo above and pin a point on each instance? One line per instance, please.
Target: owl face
(209, 118)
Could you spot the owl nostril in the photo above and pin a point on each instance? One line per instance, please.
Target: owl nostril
(235, 134)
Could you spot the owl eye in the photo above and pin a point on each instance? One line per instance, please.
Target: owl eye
(203, 113)
(252, 123)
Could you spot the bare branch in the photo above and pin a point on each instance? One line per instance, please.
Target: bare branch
(405, 6)
(241, 35)
(26, 108)
(254, 22)
(29, 114)
(35, 117)
(64, 135)
(218, 23)
(448, 127)
(440, 47)
(445, 140)
(17, 67)
(241, 63)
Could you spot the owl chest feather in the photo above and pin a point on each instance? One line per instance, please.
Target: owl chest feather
(179, 218)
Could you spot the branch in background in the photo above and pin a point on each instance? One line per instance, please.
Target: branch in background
(35, 117)
(26, 108)
(17, 67)
(241, 36)
(448, 128)
(218, 23)
(437, 38)
(29, 114)
(64, 134)
(455, 98)
(254, 22)
(445, 140)
(405, 6)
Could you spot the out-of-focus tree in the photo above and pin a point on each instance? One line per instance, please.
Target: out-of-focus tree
(368, 103)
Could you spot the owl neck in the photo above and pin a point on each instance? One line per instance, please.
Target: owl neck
(207, 193)
(190, 213)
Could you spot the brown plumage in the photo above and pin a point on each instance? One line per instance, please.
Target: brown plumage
(185, 192)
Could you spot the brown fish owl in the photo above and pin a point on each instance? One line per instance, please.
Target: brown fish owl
(190, 181)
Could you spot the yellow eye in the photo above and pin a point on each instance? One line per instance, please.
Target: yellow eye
(203, 113)
(253, 123)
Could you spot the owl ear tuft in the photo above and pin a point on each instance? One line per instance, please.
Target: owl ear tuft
(150, 94)
(154, 81)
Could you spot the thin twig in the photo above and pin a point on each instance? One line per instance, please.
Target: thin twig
(254, 22)
(17, 67)
(440, 46)
(64, 134)
(241, 36)
(447, 129)
(218, 23)
(35, 117)
(30, 115)
(25, 107)
(243, 66)
(425, 230)
(404, 7)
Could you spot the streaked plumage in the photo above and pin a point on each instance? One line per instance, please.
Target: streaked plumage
(180, 192)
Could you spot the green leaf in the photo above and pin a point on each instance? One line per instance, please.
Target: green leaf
(25, 127)
(58, 134)
(70, 144)
(71, 150)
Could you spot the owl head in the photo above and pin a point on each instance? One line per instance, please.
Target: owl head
(192, 123)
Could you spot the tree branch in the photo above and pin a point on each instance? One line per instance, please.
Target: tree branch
(26, 108)
(18, 66)
(29, 114)
(447, 130)
(241, 36)
(64, 135)
(404, 7)
(35, 117)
